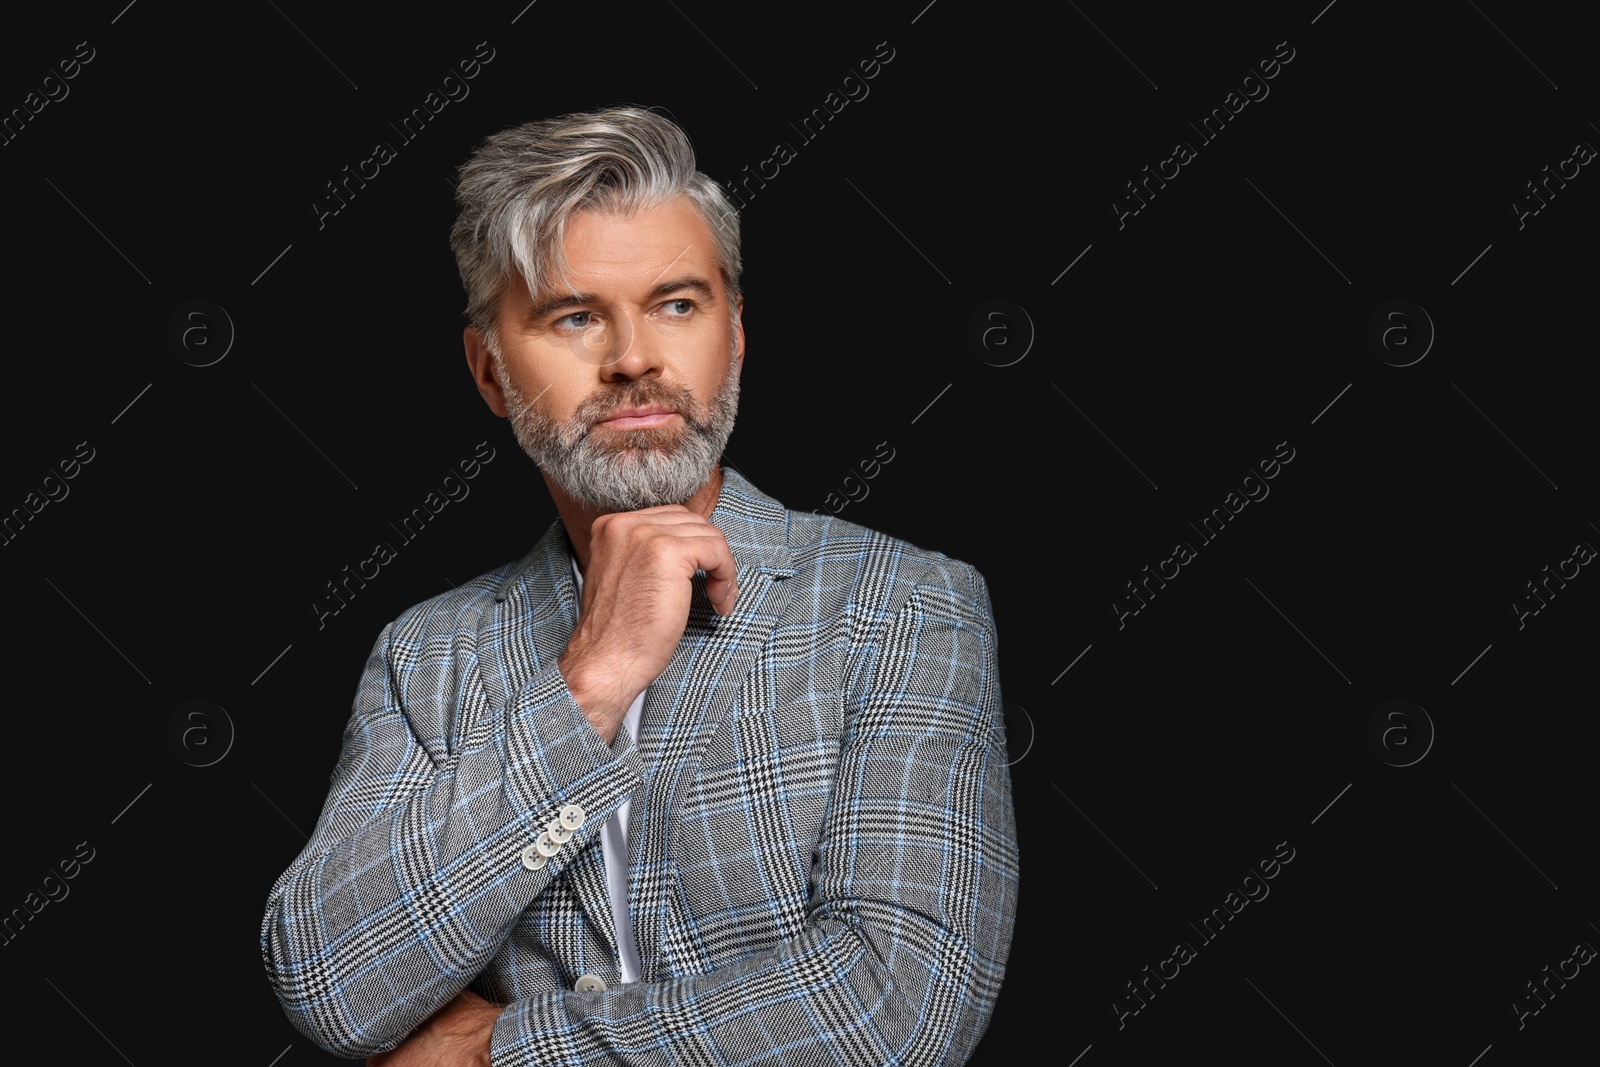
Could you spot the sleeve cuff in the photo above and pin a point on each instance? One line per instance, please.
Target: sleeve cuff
(554, 759)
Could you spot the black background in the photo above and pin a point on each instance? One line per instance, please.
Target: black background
(1229, 315)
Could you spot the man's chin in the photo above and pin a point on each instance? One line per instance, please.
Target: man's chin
(654, 489)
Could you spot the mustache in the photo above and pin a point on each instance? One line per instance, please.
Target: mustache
(599, 408)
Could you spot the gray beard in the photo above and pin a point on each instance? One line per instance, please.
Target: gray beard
(630, 469)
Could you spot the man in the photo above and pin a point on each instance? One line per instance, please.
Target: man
(700, 780)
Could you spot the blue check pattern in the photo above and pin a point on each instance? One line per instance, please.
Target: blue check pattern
(823, 853)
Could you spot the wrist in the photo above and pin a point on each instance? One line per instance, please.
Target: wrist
(596, 697)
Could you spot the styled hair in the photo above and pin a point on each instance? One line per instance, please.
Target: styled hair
(516, 192)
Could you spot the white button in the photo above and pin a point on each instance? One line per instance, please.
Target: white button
(531, 859)
(558, 833)
(590, 983)
(546, 846)
(572, 816)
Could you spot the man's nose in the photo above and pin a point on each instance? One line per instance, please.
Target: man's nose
(627, 349)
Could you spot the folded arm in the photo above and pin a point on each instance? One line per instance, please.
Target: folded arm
(416, 870)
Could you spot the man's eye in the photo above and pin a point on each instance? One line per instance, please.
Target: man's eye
(576, 321)
(679, 308)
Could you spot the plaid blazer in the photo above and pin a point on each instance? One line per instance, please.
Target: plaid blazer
(823, 856)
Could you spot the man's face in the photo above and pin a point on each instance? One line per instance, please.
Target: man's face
(622, 380)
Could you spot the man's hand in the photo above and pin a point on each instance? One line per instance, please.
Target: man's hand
(458, 1035)
(636, 596)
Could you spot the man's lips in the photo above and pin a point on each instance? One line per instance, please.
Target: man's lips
(637, 418)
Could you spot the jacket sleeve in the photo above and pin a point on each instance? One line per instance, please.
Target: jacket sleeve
(415, 873)
(914, 885)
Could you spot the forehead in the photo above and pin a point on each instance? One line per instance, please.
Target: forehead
(610, 250)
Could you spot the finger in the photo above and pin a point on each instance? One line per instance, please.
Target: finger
(702, 546)
(724, 595)
(722, 578)
(642, 533)
(662, 515)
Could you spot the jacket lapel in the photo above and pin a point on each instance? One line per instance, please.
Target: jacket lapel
(687, 703)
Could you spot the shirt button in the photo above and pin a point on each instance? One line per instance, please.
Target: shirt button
(546, 846)
(558, 833)
(590, 983)
(572, 816)
(531, 859)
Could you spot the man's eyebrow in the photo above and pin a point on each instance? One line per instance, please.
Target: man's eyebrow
(542, 308)
(692, 282)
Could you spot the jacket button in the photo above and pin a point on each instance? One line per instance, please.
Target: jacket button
(590, 983)
(531, 859)
(572, 816)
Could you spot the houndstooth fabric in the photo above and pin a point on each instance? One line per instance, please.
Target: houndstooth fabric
(823, 855)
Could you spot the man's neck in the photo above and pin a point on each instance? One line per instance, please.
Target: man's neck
(578, 518)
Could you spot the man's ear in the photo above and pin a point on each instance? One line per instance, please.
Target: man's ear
(738, 332)
(480, 361)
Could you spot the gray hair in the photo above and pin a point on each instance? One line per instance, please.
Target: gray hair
(516, 192)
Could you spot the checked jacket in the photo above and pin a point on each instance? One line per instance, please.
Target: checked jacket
(823, 858)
